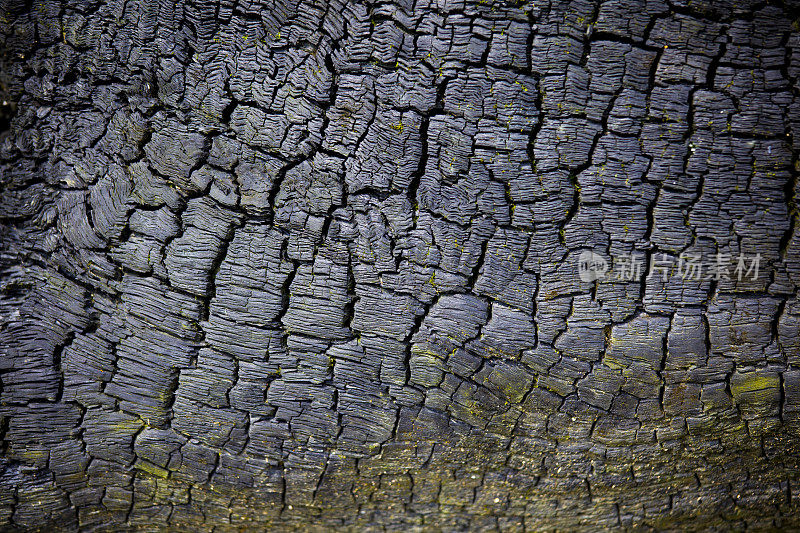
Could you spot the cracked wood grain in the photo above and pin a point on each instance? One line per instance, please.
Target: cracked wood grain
(313, 264)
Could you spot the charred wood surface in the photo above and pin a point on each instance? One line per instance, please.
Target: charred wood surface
(314, 264)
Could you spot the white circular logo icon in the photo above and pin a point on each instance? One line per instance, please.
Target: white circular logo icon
(591, 266)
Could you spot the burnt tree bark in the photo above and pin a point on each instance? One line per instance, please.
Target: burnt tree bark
(304, 264)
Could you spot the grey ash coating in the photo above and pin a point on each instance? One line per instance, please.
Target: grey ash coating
(312, 265)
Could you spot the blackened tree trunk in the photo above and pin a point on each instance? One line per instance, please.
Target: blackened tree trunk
(436, 265)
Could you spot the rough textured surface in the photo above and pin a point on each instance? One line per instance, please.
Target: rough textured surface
(305, 264)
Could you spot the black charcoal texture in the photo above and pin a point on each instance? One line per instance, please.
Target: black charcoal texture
(316, 265)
